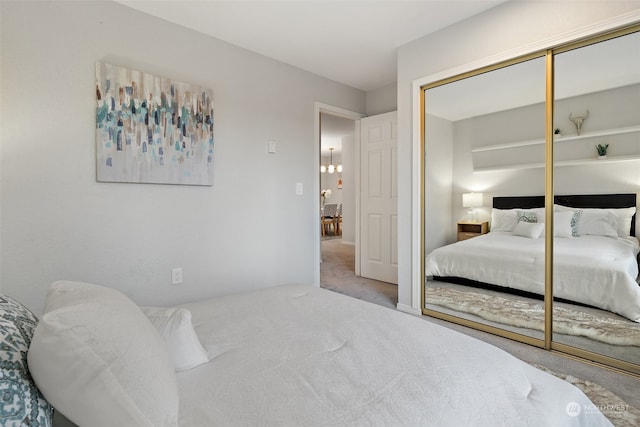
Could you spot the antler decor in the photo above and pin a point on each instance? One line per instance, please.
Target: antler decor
(578, 120)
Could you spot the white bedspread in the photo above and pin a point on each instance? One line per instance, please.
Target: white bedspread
(595, 270)
(296, 355)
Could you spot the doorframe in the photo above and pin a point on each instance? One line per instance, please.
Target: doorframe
(318, 108)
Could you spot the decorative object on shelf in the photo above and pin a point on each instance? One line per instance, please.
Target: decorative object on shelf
(602, 150)
(152, 129)
(557, 132)
(331, 168)
(325, 194)
(339, 183)
(471, 200)
(578, 121)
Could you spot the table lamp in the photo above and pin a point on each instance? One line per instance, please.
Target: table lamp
(472, 200)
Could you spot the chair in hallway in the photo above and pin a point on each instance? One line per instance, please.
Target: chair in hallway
(328, 218)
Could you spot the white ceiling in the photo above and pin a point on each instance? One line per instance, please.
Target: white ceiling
(350, 41)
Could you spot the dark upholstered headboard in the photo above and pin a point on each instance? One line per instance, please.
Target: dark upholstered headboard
(598, 201)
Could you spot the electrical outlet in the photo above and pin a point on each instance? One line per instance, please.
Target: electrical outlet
(176, 276)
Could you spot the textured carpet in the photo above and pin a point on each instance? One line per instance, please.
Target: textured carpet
(619, 412)
(530, 314)
(337, 273)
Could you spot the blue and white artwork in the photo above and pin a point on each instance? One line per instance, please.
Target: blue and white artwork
(152, 129)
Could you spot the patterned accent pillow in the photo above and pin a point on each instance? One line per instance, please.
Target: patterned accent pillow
(21, 403)
(527, 216)
(574, 222)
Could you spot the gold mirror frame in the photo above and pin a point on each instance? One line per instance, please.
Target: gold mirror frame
(547, 343)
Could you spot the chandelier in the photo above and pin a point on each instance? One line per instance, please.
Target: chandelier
(331, 168)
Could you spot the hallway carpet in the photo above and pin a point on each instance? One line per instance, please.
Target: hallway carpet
(337, 273)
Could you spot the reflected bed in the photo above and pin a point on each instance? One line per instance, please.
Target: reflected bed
(595, 255)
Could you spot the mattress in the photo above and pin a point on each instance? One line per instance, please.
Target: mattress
(594, 270)
(297, 355)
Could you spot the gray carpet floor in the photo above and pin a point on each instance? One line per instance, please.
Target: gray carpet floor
(337, 274)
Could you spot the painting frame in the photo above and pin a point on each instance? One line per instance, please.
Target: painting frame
(152, 129)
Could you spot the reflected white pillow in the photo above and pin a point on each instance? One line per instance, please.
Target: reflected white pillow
(532, 230)
(503, 219)
(98, 360)
(562, 223)
(624, 220)
(624, 217)
(598, 222)
(175, 327)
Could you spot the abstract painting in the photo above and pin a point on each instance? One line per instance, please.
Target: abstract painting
(152, 129)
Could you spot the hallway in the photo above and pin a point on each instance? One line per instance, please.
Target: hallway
(337, 274)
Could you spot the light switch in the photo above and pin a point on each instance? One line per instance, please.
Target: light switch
(272, 147)
(299, 189)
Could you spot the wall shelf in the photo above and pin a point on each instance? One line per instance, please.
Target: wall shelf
(595, 134)
(560, 163)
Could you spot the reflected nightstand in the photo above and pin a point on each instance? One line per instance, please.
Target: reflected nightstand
(469, 229)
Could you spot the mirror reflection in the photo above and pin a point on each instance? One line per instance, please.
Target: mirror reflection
(484, 139)
(597, 153)
(484, 204)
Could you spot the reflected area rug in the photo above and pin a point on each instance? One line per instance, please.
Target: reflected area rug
(619, 412)
(530, 314)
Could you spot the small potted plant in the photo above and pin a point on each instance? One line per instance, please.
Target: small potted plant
(602, 150)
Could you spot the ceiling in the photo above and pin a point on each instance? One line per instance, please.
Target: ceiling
(351, 41)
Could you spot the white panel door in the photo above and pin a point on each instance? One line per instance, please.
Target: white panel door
(379, 197)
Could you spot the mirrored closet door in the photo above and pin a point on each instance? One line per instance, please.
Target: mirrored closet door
(484, 152)
(597, 177)
(561, 129)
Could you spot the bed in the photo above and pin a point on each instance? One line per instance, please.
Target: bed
(595, 251)
(292, 355)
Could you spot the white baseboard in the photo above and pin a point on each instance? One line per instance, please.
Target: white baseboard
(408, 309)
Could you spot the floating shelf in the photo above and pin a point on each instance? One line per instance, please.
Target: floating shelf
(561, 163)
(595, 134)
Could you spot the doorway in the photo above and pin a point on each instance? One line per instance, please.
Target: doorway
(340, 131)
(338, 144)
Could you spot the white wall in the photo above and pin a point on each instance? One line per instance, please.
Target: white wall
(249, 230)
(382, 100)
(439, 183)
(349, 189)
(508, 27)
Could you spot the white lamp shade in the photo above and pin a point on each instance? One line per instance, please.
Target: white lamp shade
(323, 168)
(339, 168)
(331, 169)
(472, 200)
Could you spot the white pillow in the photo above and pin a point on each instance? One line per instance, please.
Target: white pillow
(598, 222)
(503, 219)
(624, 217)
(624, 220)
(99, 361)
(562, 224)
(532, 230)
(175, 327)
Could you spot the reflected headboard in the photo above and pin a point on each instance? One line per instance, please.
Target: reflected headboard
(598, 201)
